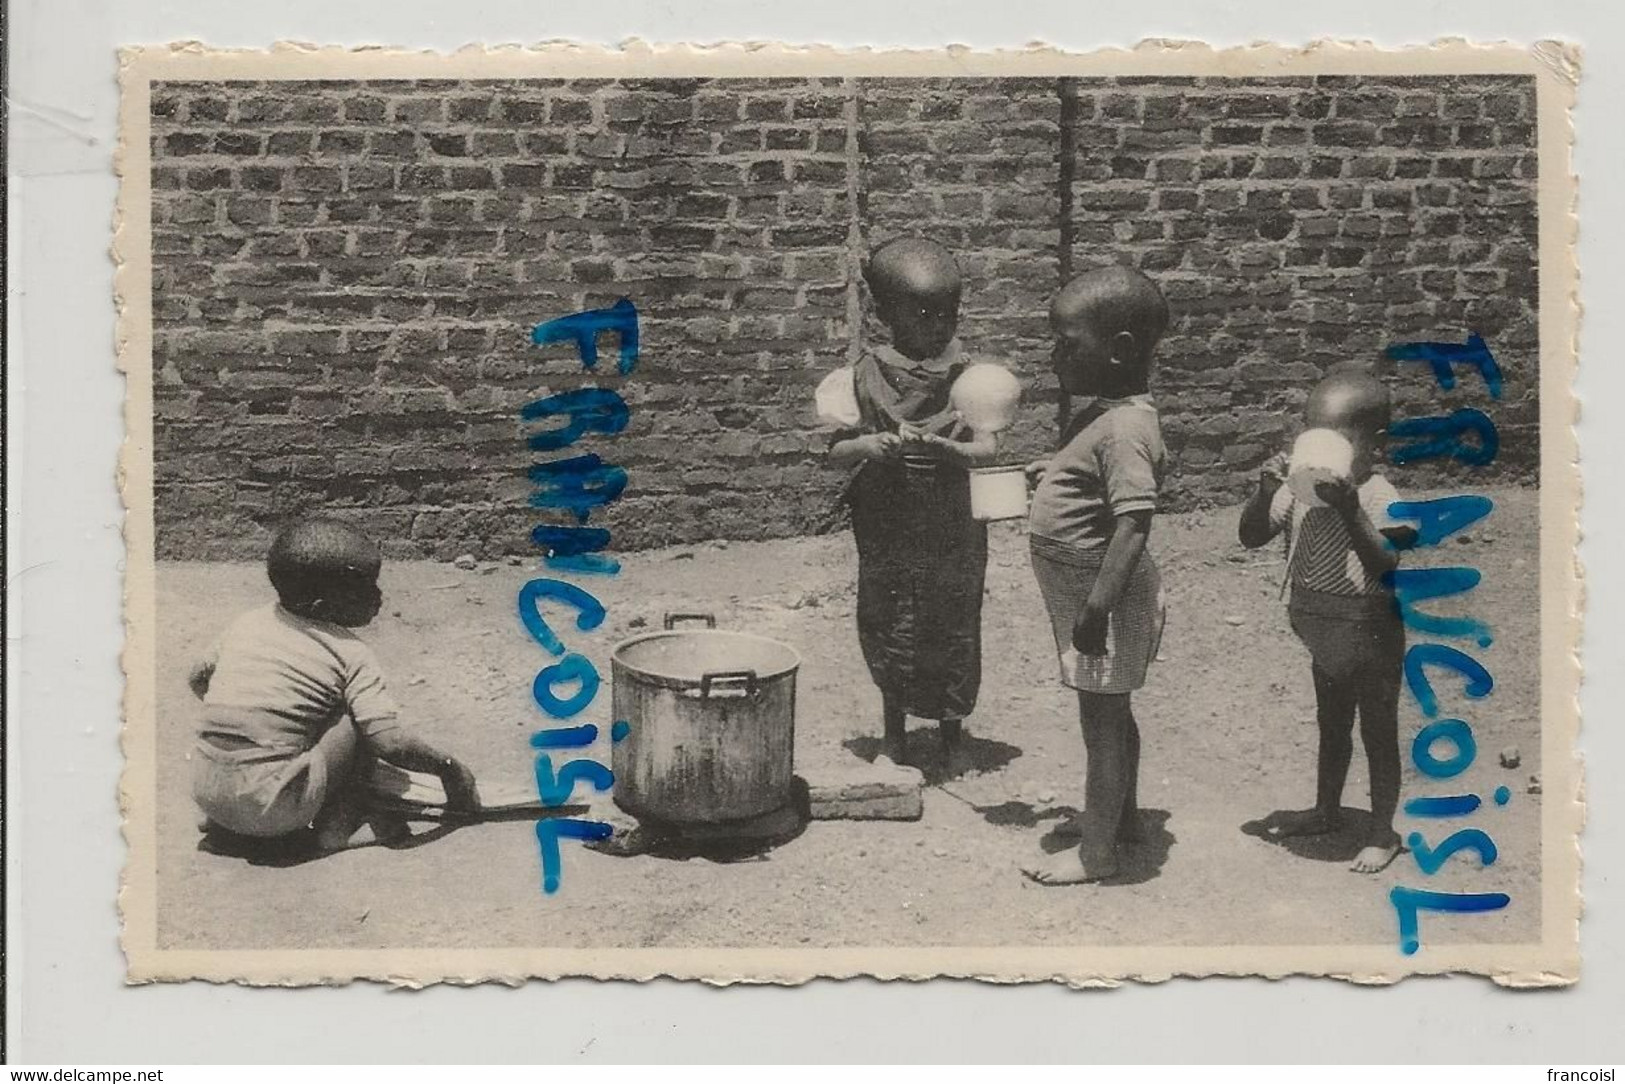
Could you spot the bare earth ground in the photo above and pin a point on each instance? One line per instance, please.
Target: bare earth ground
(1229, 737)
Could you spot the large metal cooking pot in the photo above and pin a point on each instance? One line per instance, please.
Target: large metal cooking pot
(712, 724)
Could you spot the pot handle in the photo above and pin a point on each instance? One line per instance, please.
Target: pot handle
(728, 679)
(710, 620)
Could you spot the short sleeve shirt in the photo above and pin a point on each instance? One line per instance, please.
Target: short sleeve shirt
(280, 681)
(1112, 466)
(1322, 552)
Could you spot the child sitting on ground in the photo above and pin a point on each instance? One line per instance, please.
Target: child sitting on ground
(1342, 609)
(922, 558)
(1090, 518)
(295, 708)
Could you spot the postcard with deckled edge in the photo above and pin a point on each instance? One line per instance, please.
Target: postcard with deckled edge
(756, 513)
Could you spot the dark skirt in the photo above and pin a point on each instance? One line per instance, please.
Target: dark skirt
(922, 561)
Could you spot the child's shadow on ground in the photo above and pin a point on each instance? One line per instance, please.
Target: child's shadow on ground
(1140, 861)
(1340, 845)
(924, 751)
(298, 848)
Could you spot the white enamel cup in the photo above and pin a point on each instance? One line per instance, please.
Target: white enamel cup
(998, 493)
(1319, 455)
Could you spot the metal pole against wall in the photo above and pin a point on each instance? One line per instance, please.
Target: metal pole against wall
(1067, 90)
(851, 115)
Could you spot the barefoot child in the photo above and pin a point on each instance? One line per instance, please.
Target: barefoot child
(294, 702)
(921, 557)
(1342, 610)
(1090, 518)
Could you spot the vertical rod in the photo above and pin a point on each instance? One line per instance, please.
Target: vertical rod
(851, 114)
(1067, 90)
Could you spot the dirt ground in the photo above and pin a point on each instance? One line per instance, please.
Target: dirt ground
(1229, 737)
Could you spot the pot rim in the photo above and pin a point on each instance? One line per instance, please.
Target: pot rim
(671, 681)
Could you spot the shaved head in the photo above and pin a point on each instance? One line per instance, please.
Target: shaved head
(1110, 301)
(325, 569)
(916, 287)
(1349, 399)
(912, 267)
(323, 547)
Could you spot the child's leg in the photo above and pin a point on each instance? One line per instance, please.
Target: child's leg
(350, 805)
(896, 724)
(1129, 829)
(1379, 732)
(1106, 721)
(388, 826)
(341, 816)
(1335, 702)
(1111, 746)
(338, 751)
(953, 735)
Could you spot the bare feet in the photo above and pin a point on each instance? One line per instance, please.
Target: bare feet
(381, 829)
(389, 828)
(1304, 822)
(338, 821)
(1374, 857)
(1131, 829)
(335, 836)
(1064, 868)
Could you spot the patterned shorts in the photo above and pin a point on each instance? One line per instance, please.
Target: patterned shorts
(1134, 627)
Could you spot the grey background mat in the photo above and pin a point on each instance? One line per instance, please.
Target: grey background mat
(67, 1002)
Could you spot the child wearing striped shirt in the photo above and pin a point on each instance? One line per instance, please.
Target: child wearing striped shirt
(1342, 608)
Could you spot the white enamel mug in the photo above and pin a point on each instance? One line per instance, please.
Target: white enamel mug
(998, 493)
(1319, 455)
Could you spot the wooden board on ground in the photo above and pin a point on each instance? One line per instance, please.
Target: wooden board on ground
(420, 794)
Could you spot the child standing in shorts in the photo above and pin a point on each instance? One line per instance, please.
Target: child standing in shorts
(294, 703)
(1343, 609)
(1090, 518)
(922, 558)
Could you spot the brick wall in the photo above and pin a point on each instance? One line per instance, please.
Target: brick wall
(345, 275)
(1298, 223)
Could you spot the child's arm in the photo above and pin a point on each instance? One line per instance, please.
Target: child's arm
(1127, 461)
(1122, 554)
(414, 754)
(376, 717)
(981, 448)
(864, 446)
(1256, 526)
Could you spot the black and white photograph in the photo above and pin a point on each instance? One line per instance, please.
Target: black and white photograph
(757, 517)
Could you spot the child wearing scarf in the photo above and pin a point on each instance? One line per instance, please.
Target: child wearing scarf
(922, 558)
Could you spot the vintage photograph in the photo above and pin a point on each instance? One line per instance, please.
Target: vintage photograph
(755, 516)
